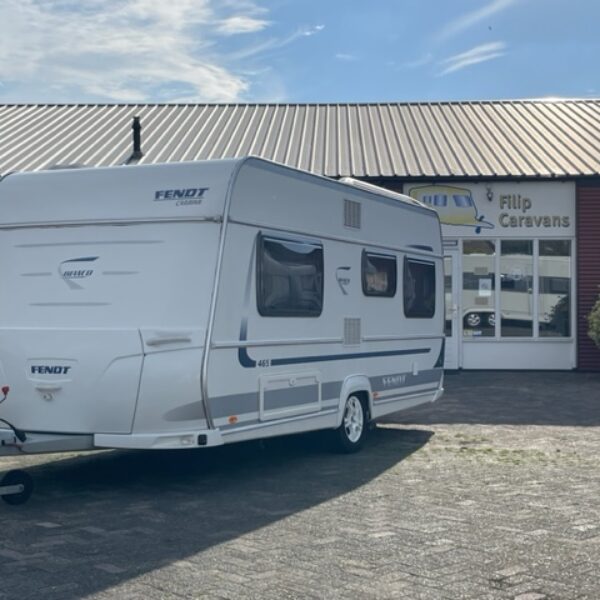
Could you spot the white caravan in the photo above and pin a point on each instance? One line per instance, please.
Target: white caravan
(196, 304)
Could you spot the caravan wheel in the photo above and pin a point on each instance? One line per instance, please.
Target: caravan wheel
(16, 478)
(350, 435)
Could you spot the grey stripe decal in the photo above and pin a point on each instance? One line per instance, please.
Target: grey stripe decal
(401, 380)
(331, 389)
(327, 407)
(239, 404)
(397, 397)
(287, 397)
(187, 412)
(235, 404)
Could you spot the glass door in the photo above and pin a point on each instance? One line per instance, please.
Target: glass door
(451, 294)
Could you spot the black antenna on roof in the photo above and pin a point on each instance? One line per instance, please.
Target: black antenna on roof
(137, 153)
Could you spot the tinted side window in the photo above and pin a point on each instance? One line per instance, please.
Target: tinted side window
(378, 274)
(419, 289)
(290, 278)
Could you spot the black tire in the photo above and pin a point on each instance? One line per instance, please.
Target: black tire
(18, 477)
(472, 320)
(350, 436)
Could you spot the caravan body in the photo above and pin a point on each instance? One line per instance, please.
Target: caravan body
(195, 304)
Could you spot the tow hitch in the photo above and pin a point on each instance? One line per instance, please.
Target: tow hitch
(16, 485)
(20, 435)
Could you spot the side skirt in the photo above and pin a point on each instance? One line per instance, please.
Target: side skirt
(392, 405)
(323, 420)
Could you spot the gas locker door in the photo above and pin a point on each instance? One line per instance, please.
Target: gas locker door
(70, 380)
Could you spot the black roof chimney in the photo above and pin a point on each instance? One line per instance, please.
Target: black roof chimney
(137, 153)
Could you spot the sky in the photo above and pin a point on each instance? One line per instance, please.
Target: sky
(133, 51)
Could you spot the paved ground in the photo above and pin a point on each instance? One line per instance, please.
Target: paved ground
(492, 493)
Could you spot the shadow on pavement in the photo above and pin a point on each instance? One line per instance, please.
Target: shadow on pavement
(512, 398)
(102, 519)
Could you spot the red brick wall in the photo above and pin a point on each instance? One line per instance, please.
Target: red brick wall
(588, 271)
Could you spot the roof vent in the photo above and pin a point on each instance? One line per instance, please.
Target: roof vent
(352, 214)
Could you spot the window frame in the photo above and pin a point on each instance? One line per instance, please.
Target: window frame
(429, 263)
(540, 287)
(373, 294)
(259, 279)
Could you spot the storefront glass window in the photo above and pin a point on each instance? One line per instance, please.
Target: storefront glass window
(478, 296)
(448, 295)
(516, 288)
(554, 301)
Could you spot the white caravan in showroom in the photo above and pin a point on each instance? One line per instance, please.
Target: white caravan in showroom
(196, 304)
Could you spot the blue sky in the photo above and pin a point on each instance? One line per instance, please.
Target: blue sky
(297, 50)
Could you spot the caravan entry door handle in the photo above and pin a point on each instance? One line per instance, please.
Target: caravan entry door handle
(160, 341)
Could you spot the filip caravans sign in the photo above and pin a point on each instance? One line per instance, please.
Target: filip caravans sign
(528, 210)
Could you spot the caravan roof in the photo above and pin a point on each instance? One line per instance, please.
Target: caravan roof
(187, 190)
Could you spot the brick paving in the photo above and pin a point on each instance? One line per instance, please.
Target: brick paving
(492, 493)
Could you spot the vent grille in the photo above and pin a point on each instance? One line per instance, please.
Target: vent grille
(351, 332)
(352, 214)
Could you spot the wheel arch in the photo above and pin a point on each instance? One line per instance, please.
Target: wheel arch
(354, 384)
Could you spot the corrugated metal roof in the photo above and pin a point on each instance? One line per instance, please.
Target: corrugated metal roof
(530, 138)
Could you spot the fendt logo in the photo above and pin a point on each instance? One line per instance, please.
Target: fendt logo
(49, 370)
(76, 269)
(183, 196)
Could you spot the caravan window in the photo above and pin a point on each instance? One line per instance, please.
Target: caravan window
(419, 289)
(378, 274)
(289, 278)
(436, 199)
(463, 200)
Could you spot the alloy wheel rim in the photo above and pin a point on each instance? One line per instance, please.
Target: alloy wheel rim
(353, 419)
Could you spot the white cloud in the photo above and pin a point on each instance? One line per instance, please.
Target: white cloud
(241, 24)
(422, 61)
(345, 57)
(121, 50)
(467, 20)
(271, 44)
(312, 30)
(474, 56)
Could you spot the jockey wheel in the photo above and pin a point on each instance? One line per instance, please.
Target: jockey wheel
(16, 487)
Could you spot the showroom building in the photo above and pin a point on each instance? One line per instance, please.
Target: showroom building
(516, 185)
